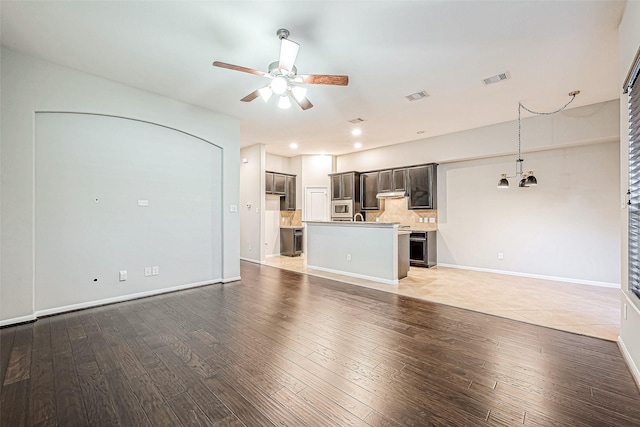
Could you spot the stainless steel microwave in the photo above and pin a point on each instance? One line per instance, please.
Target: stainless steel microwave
(342, 209)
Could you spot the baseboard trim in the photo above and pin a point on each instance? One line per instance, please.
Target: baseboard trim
(16, 320)
(106, 301)
(356, 275)
(635, 372)
(535, 276)
(255, 261)
(231, 279)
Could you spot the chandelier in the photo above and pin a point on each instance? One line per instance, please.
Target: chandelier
(528, 179)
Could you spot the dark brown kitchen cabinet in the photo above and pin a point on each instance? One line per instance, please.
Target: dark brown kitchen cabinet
(288, 202)
(336, 187)
(345, 186)
(421, 185)
(369, 190)
(399, 180)
(283, 185)
(279, 183)
(385, 181)
(268, 183)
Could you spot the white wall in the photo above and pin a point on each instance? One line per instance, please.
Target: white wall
(91, 174)
(316, 170)
(630, 327)
(577, 126)
(275, 163)
(471, 211)
(29, 85)
(252, 199)
(565, 228)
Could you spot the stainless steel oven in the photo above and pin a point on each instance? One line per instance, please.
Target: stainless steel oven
(422, 248)
(342, 210)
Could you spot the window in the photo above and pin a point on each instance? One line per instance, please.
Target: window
(634, 175)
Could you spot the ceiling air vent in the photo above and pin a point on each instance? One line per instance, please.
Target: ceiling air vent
(417, 96)
(497, 78)
(356, 120)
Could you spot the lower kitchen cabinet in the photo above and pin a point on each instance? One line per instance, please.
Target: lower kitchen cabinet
(291, 241)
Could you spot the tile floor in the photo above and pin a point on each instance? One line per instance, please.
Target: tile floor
(583, 309)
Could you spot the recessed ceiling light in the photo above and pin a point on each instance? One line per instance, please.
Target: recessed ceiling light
(293, 145)
(356, 132)
(357, 145)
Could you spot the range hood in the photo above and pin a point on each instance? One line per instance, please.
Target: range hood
(391, 195)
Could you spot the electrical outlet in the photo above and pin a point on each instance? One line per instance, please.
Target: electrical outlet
(155, 270)
(421, 219)
(123, 275)
(432, 220)
(500, 256)
(147, 271)
(348, 257)
(249, 247)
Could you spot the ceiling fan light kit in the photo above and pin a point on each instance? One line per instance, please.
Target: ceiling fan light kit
(285, 80)
(527, 179)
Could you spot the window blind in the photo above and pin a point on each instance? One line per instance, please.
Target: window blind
(634, 176)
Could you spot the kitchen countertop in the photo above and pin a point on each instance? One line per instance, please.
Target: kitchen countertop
(357, 224)
(292, 226)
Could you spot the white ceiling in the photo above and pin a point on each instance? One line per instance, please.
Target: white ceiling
(389, 49)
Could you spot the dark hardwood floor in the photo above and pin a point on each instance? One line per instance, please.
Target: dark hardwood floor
(282, 348)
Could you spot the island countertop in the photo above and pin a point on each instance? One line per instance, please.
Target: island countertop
(357, 224)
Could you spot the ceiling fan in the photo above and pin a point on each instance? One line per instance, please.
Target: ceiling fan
(285, 80)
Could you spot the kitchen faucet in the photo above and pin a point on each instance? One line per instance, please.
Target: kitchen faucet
(355, 217)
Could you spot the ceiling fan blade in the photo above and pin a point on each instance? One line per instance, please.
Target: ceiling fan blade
(253, 95)
(288, 54)
(305, 104)
(239, 68)
(322, 79)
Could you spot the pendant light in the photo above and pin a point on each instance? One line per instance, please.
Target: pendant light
(527, 179)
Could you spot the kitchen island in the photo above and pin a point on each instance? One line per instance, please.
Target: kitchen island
(368, 250)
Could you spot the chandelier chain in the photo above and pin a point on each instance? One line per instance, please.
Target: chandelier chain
(520, 108)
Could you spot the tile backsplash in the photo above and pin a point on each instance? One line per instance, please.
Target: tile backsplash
(395, 210)
(291, 218)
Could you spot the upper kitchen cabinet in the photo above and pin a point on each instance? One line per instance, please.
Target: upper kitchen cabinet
(288, 202)
(282, 185)
(369, 190)
(385, 181)
(268, 183)
(392, 180)
(345, 186)
(279, 183)
(421, 185)
(399, 182)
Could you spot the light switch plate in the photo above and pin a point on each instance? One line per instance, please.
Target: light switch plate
(147, 271)
(155, 270)
(143, 203)
(122, 275)
(233, 208)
